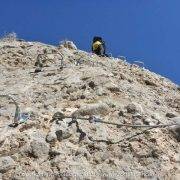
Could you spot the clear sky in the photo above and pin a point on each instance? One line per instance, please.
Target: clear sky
(144, 30)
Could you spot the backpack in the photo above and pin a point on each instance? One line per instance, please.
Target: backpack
(96, 38)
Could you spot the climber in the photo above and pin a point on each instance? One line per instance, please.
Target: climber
(98, 46)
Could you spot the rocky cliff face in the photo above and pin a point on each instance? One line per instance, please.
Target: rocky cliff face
(51, 141)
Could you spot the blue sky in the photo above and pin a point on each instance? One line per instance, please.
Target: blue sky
(145, 30)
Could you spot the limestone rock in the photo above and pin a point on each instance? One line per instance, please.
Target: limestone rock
(6, 163)
(92, 109)
(52, 145)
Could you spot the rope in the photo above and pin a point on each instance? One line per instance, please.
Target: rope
(92, 119)
(124, 139)
(98, 120)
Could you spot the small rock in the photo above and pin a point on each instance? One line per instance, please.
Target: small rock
(137, 116)
(68, 45)
(64, 96)
(58, 116)
(156, 116)
(73, 97)
(92, 109)
(149, 121)
(150, 83)
(40, 149)
(51, 137)
(92, 85)
(170, 115)
(133, 108)
(112, 87)
(88, 95)
(59, 131)
(157, 102)
(6, 163)
(71, 90)
(110, 102)
(100, 91)
(62, 135)
(137, 122)
(82, 96)
(121, 113)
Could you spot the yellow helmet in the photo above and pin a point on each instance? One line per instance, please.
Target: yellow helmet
(96, 45)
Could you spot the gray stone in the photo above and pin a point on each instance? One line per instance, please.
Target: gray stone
(137, 116)
(68, 45)
(112, 87)
(40, 149)
(62, 134)
(51, 137)
(133, 108)
(73, 97)
(170, 115)
(137, 122)
(92, 85)
(6, 163)
(121, 113)
(87, 95)
(59, 131)
(149, 121)
(92, 109)
(156, 116)
(100, 91)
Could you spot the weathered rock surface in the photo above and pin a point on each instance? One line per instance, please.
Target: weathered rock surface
(80, 84)
(6, 163)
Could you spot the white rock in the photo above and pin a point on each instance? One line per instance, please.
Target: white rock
(92, 109)
(6, 163)
(68, 45)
